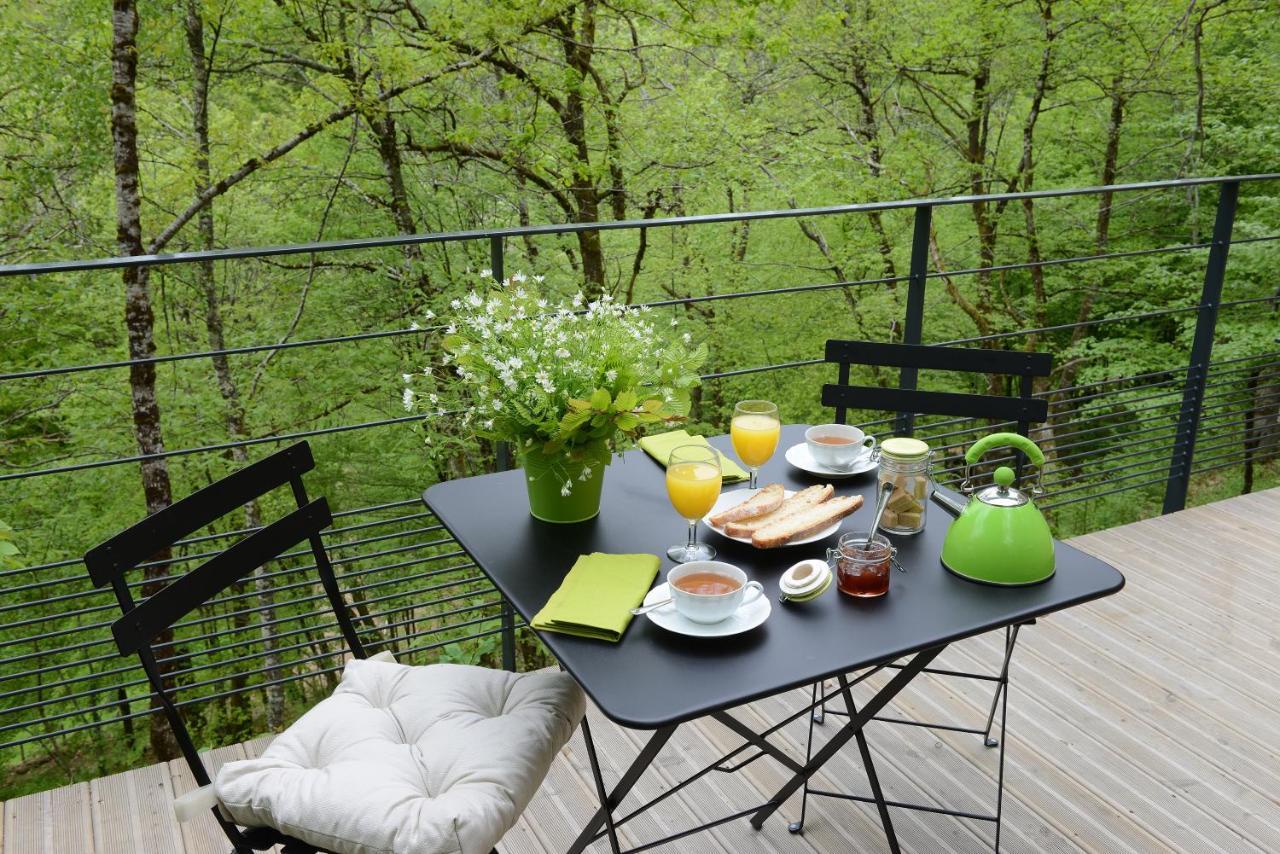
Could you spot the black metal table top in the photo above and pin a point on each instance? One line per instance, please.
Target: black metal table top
(654, 678)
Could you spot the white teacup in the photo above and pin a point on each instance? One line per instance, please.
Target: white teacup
(711, 606)
(843, 447)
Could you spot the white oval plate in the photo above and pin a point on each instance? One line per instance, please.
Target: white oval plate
(745, 619)
(737, 496)
(799, 456)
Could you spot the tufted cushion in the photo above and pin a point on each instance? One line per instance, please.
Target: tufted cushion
(402, 759)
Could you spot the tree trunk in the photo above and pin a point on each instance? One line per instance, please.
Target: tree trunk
(578, 48)
(139, 319)
(237, 428)
(383, 127)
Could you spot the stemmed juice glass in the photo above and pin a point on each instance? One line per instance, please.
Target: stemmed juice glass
(693, 485)
(755, 429)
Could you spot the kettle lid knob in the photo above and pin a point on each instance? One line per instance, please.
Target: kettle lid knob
(1004, 476)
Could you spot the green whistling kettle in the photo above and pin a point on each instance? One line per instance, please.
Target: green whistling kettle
(1000, 537)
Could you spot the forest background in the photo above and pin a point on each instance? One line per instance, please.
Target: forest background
(204, 124)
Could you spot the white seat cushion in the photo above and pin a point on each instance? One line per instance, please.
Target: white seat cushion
(402, 759)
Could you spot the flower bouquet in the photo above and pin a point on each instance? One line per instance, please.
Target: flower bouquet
(566, 385)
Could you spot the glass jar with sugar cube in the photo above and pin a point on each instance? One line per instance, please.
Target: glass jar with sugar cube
(906, 463)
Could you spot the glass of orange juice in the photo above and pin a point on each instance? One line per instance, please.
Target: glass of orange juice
(693, 485)
(755, 429)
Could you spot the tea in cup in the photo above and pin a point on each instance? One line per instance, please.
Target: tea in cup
(837, 446)
(708, 591)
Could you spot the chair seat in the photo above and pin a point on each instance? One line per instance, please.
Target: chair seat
(434, 759)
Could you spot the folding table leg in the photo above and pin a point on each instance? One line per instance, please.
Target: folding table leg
(604, 815)
(856, 722)
(798, 826)
(1002, 687)
(869, 766)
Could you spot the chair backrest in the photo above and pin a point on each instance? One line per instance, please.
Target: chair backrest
(1025, 409)
(142, 623)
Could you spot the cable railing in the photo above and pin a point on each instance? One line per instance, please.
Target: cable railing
(414, 590)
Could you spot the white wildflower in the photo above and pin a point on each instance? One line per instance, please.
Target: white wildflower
(488, 424)
(586, 473)
(434, 398)
(566, 489)
(414, 327)
(611, 375)
(518, 277)
(486, 273)
(578, 299)
(562, 353)
(474, 300)
(407, 400)
(687, 338)
(675, 322)
(430, 315)
(456, 304)
(408, 378)
(539, 279)
(497, 405)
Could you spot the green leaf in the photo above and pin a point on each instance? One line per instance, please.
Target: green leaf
(571, 422)
(626, 401)
(600, 399)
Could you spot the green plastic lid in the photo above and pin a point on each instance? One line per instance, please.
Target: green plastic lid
(904, 448)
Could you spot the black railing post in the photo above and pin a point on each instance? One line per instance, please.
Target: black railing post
(913, 325)
(1184, 440)
(497, 260)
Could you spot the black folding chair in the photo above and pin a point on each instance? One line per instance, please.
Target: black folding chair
(145, 629)
(907, 401)
(142, 623)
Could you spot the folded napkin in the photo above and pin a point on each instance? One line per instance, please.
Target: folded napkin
(660, 447)
(596, 597)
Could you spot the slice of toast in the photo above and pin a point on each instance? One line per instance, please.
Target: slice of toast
(801, 500)
(805, 523)
(764, 501)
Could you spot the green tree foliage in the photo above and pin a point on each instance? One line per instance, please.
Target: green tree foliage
(329, 120)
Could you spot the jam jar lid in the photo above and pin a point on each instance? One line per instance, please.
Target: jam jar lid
(904, 448)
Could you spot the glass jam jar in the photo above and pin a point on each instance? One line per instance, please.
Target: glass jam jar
(906, 463)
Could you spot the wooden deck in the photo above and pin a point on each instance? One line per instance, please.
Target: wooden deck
(1149, 721)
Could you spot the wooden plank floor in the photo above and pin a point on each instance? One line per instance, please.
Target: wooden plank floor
(1149, 721)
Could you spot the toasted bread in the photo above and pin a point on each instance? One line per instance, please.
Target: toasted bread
(764, 501)
(801, 500)
(805, 523)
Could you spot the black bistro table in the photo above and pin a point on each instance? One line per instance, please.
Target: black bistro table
(655, 680)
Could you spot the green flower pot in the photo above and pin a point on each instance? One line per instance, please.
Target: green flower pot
(547, 474)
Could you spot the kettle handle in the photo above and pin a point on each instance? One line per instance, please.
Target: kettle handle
(1005, 440)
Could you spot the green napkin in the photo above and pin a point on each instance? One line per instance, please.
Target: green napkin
(596, 597)
(660, 447)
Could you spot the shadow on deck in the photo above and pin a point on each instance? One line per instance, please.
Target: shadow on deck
(1143, 722)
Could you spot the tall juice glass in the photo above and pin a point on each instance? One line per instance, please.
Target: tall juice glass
(693, 485)
(755, 429)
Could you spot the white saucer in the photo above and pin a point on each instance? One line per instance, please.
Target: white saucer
(737, 496)
(799, 456)
(745, 619)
